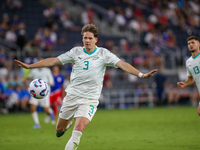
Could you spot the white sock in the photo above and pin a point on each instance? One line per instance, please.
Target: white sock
(73, 142)
(50, 110)
(35, 117)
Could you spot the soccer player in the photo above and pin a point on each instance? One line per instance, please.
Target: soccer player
(86, 81)
(193, 65)
(57, 89)
(46, 75)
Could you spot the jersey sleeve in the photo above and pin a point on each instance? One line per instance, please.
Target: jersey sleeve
(187, 69)
(67, 57)
(111, 59)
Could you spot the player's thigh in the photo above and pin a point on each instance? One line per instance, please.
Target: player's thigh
(34, 101)
(33, 108)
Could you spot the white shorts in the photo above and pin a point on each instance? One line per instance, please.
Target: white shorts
(74, 106)
(45, 102)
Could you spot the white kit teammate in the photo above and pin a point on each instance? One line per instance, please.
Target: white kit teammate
(193, 65)
(46, 75)
(86, 81)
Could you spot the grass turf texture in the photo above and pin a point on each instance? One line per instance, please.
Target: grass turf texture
(164, 128)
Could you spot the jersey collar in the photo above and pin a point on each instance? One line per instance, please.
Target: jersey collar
(196, 56)
(90, 52)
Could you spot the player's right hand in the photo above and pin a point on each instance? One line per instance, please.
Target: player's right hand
(26, 66)
(181, 84)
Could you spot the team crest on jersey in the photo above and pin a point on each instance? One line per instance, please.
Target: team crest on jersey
(95, 58)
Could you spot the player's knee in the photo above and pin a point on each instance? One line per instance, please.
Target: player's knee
(79, 127)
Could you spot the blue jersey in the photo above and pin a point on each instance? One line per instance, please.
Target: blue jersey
(58, 83)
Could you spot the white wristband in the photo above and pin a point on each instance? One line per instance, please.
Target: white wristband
(140, 75)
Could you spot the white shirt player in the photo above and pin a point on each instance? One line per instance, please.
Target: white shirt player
(44, 74)
(88, 71)
(193, 69)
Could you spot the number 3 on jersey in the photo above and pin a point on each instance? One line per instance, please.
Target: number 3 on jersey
(86, 65)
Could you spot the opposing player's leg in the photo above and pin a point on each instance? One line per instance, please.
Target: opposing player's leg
(80, 124)
(46, 106)
(62, 126)
(35, 116)
(33, 105)
(50, 113)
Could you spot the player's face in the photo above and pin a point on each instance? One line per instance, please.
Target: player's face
(89, 41)
(193, 45)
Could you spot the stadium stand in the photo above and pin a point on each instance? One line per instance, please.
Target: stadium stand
(144, 33)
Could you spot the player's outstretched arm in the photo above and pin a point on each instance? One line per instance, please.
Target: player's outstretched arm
(43, 63)
(130, 69)
(189, 81)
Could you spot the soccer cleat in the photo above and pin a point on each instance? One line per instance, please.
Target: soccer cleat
(36, 126)
(52, 116)
(59, 134)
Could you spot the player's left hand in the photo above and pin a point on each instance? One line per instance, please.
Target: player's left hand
(147, 75)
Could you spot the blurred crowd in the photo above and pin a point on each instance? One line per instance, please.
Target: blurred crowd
(153, 20)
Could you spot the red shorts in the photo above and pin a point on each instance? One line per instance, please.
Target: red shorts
(56, 97)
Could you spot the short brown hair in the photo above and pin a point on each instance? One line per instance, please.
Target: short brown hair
(90, 28)
(193, 37)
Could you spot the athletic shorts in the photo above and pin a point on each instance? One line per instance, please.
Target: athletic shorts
(74, 106)
(42, 102)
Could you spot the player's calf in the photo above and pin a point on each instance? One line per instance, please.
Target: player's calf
(59, 134)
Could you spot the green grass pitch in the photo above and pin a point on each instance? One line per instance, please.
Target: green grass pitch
(161, 128)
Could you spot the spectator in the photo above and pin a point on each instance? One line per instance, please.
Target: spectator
(11, 35)
(87, 15)
(160, 80)
(49, 23)
(68, 23)
(3, 72)
(21, 39)
(3, 57)
(120, 20)
(24, 97)
(15, 22)
(172, 94)
(49, 12)
(57, 11)
(62, 37)
(124, 46)
(110, 16)
(107, 82)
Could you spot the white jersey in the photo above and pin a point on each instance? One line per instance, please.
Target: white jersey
(44, 74)
(88, 70)
(193, 69)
